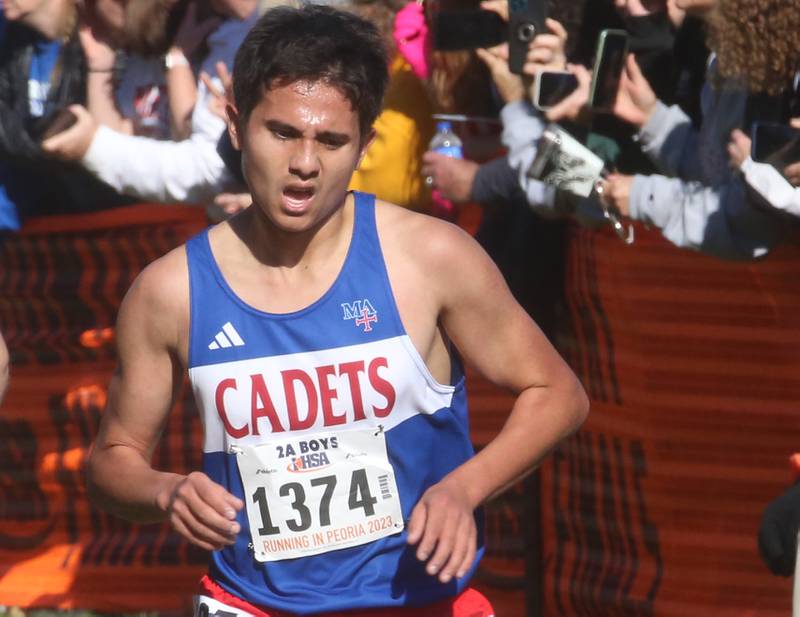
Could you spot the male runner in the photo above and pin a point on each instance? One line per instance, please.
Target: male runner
(319, 331)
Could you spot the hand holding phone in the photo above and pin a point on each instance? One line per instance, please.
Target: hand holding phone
(526, 21)
(776, 144)
(635, 102)
(609, 61)
(552, 87)
(547, 50)
(60, 122)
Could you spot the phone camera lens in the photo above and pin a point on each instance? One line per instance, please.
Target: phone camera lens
(526, 32)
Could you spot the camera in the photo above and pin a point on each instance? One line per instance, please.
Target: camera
(526, 21)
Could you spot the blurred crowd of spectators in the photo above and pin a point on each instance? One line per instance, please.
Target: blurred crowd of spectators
(122, 101)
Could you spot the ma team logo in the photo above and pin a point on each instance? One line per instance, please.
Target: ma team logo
(360, 311)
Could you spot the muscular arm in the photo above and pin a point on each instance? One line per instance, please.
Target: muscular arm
(494, 334)
(121, 478)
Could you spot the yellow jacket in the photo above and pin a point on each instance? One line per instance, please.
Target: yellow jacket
(392, 164)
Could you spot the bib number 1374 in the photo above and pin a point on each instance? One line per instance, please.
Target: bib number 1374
(313, 494)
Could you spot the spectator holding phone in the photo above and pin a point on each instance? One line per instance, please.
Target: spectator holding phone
(38, 36)
(189, 170)
(462, 180)
(699, 203)
(778, 188)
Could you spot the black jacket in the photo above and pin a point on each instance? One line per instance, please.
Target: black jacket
(38, 184)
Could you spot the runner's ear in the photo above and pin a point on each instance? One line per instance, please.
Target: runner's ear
(234, 126)
(365, 144)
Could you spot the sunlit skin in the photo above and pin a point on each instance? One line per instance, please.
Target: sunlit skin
(48, 17)
(696, 7)
(299, 148)
(15, 10)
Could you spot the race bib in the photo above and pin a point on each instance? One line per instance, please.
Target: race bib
(312, 494)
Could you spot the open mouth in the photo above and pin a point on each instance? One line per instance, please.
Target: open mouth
(297, 196)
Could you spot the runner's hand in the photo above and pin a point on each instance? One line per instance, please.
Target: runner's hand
(201, 510)
(443, 524)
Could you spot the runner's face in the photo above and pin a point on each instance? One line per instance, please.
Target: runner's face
(299, 148)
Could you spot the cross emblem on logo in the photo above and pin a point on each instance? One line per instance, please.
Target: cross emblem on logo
(366, 319)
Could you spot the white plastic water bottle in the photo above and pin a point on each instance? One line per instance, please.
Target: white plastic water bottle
(446, 142)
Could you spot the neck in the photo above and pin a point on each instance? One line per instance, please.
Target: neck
(51, 19)
(276, 247)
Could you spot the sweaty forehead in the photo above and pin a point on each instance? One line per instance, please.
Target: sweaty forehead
(309, 102)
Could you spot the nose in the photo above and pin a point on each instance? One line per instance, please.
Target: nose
(304, 162)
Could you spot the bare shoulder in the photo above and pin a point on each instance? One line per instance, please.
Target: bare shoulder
(157, 302)
(421, 237)
(441, 252)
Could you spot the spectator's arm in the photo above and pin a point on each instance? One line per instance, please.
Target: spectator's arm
(768, 183)
(670, 141)
(16, 145)
(494, 181)
(522, 128)
(101, 103)
(166, 171)
(720, 222)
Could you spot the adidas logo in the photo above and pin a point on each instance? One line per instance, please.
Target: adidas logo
(227, 337)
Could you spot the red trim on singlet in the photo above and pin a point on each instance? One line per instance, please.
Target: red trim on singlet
(471, 603)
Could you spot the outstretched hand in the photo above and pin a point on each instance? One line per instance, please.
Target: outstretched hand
(546, 50)
(509, 86)
(573, 105)
(442, 525)
(220, 97)
(738, 148)
(73, 143)
(792, 172)
(636, 101)
(201, 510)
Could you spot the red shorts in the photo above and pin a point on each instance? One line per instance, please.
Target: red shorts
(471, 603)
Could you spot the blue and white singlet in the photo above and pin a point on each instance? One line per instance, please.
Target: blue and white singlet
(327, 423)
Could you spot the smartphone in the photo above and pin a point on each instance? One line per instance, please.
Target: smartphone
(609, 61)
(776, 144)
(60, 122)
(526, 20)
(552, 87)
(467, 29)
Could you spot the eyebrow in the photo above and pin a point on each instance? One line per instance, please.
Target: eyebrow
(323, 136)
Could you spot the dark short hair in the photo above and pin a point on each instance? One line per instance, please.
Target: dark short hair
(313, 43)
